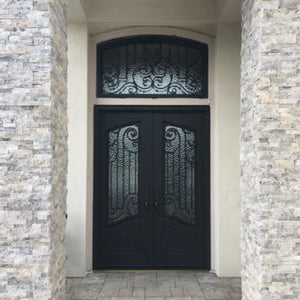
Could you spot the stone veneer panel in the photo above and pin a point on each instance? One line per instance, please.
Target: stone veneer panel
(33, 148)
(270, 149)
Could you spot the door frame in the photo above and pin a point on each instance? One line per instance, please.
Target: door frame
(168, 102)
(167, 109)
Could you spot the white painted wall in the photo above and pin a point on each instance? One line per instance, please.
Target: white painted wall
(225, 110)
(108, 15)
(227, 162)
(77, 169)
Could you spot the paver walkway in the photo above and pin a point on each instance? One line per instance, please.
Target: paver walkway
(153, 285)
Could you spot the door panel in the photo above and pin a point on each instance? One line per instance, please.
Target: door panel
(122, 231)
(182, 230)
(151, 187)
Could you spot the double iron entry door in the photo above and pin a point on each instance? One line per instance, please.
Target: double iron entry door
(151, 187)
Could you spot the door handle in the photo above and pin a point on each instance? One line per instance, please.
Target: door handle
(156, 202)
(146, 202)
(156, 208)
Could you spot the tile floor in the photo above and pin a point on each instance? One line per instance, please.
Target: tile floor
(153, 285)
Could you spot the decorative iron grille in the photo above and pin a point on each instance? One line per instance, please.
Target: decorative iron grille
(123, 148)
(152, 66)
(180, 148)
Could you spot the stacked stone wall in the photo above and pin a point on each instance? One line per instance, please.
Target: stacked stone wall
(270, 149)
(33, 148)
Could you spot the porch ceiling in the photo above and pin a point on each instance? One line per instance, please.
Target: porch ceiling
(199, 15)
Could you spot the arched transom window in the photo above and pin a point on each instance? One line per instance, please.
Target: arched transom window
(152, 66)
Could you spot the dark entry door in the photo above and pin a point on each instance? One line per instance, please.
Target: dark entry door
(151, 187)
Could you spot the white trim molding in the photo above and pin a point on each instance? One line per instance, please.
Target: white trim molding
(151, 30)
(93, 100)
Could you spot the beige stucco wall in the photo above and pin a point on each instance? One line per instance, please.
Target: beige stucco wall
(225, 150)
(77, 143)
(226, 139)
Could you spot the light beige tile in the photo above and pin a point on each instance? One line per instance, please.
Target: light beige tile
(192, 291)
(127, 298)
(158, 292)
(109, 292)
(198, 297)
(140, 292)
(125, 292)
(177, 292)
(178, 298)
(166, 283)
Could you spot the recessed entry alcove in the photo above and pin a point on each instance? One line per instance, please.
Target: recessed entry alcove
(146, 206)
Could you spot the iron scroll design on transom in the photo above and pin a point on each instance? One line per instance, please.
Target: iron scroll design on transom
(179, 177)
(123, 154)
(152, 66)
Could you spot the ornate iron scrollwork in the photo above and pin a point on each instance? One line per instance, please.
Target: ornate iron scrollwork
(123, 150)
(179, 145)
(153, 67)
